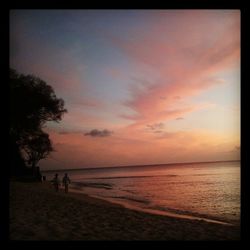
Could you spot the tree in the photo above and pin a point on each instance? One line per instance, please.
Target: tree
(35, 147)
(32, 103)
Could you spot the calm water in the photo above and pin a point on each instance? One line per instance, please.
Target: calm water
(204, 190)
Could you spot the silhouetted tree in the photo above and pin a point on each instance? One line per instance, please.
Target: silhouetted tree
(32, 104)
(35, 147)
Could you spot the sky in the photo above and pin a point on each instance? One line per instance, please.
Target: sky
(140, 86)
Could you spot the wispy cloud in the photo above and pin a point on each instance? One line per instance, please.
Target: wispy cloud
(155, 126)
(187, 59)
(150, 69)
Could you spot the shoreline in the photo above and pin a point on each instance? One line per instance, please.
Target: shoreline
(158, 212)
(37, 212)
(166, 213)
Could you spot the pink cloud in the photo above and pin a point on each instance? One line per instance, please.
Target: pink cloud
(188, 50)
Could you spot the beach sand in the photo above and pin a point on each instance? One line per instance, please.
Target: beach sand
(37, 212)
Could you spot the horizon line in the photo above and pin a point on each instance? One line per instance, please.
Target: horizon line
(124, 166)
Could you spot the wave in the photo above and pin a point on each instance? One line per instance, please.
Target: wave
(169, 211)
(144, 206)
(135, 176)
(130, 199)
(191, 214)
(79, 185)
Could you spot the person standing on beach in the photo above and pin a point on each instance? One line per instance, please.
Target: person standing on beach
(56, 182)
(66, 182)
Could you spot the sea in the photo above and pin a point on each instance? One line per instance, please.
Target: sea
(203, 191)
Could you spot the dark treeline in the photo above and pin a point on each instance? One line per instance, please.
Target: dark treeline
(32, 103)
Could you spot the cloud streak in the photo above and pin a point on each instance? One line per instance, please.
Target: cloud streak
(156, 126)
(99, 133)
(187, 59)
(151, 77)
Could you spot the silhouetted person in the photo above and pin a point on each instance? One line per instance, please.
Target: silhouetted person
(66, 182)
(44, 178)
(56, 182)
(39, 177)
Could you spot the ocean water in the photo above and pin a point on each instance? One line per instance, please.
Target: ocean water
(197, 190)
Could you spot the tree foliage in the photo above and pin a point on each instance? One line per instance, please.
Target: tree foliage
(35, 147)
(32, 103)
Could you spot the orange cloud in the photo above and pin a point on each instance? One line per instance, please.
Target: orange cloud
(74, 150)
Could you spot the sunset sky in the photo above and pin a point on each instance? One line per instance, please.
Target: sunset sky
(140, 86)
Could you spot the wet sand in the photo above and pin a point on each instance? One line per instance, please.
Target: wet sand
(37, 212)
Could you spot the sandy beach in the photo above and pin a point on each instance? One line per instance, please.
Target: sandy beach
(37, 212)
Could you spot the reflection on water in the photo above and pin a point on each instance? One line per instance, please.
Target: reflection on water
(210, 190)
